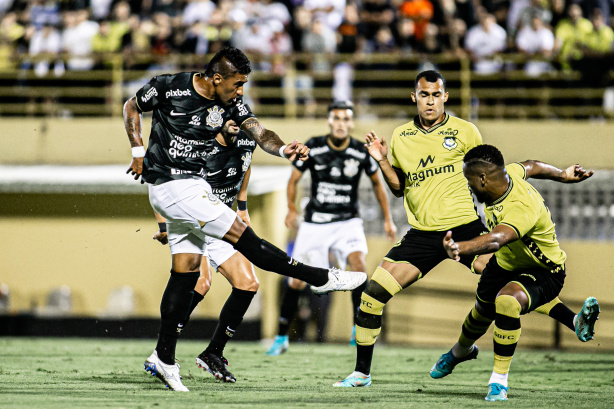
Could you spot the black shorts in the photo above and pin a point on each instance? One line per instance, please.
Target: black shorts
(424, 249)
(541, 285)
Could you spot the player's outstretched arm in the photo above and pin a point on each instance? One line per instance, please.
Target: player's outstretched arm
(379, 152)
(133, 122)
(382, 199)
(242, 198)
(271, 143)
(540, 170)
(484, 244)
(291, 217)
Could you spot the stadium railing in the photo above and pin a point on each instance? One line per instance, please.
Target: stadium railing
(300, 85)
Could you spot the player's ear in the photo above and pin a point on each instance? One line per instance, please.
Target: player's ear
(217, 78)
(413, 96)
(445, 97)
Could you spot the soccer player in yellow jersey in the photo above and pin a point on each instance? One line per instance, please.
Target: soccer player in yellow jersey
(527, 270)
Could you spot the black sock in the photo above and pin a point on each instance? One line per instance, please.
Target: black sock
(289, 306)
(198, 297)
(231, 316)
(356, 293)
(268, 257)
(174, 309)
(364, 355)
(564, 315)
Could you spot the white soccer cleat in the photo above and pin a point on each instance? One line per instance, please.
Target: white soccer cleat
(168, 374)
(340, 280)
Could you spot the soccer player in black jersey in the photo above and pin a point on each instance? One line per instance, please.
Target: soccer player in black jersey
(426, 170)
(228, 170)
(336, 162)
(189, 109)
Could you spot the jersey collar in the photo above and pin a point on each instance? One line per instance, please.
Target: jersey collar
(418, 125)
(338, 148)
(506, 194)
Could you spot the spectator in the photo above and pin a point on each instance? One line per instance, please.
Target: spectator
(484, 41)
(537, 42)
(421, 13)
(596, 52)
(11, 32)
(77, 40)
(527, 14)
(197, 11)
(46, 40)
(567, 35)
(100, 9)
(329, 12)
(349, 38)
(43, 12)
(375, 14)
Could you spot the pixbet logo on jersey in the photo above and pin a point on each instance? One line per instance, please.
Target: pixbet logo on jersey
(178, 93)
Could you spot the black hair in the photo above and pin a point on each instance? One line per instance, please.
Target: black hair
(341, 105)
(483, 155)
(430, 76)
(240, 63)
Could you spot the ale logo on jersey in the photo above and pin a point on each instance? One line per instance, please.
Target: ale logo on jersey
(215, 119)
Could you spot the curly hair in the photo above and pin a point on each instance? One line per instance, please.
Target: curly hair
(483, 155)
(239, 63)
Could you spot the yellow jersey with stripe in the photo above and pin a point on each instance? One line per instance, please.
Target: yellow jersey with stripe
(523, 209)
(436, 196)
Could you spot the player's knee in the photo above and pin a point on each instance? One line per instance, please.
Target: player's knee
(485, 310)
(202, 286)
(508, 305)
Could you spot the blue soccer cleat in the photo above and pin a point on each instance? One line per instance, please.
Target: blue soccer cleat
(496, 392)
(585, 321)
(354, 380)
(446, 363)
(353, 336)
(280, 345)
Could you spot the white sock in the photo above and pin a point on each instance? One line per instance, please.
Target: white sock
(499, 378)
(358, 374)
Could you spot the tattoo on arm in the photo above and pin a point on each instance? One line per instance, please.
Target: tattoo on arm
(132, 123)
(268, 140)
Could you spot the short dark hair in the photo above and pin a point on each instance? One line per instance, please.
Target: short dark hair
(430, 76)
(484, 155)
(237, 59)
(341, 105)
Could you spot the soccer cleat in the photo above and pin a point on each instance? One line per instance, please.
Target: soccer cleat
(353, 337)
(216, 365)
(340, 280)
(496, 392)
(168, 374)
(280, 345)
(585, 320)
(446, 363)
(354, 380)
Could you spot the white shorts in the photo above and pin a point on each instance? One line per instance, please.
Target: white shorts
(192, 213)
(218, 251)
(314, 242)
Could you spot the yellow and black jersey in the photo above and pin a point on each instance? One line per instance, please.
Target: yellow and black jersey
(523, 209)
(436, 196)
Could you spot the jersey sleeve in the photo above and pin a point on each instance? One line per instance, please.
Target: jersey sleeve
(519, 217)
(393, 159)
(516, 169)
(370, 166)
(240, 112)
(474, 138)
(151, 94)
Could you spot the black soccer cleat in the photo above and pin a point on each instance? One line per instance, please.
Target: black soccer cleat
(216, 365)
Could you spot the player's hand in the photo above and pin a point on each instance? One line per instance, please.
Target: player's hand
(376, 146)
(391, 230)
(136, 169)
(244, 215)
(451, 247)
(291, 219)
(296, 150)
(162, 237)
(575, 174)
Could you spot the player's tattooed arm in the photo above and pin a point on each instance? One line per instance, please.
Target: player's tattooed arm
(484, 244)
(540, 170)
(271, 143)
(133, 124)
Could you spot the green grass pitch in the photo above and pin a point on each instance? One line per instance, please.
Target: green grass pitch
(101, 373)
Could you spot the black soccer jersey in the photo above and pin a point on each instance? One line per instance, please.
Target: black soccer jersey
(184, 126)
(226, 167)
(334, 179)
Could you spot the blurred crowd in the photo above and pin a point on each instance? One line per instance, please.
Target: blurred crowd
(553, 34)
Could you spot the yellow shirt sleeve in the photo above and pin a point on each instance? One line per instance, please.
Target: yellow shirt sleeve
(520, 217)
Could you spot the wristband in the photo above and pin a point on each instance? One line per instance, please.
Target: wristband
(241, 204)
(281, 152)
(162, 227)
(138, 152)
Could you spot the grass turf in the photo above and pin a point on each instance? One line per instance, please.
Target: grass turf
(102, 373)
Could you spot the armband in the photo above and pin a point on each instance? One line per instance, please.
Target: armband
(162, 227)
(241, 204)
(138, 152)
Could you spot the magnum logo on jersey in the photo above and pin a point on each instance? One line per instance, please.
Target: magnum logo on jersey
(215, 119)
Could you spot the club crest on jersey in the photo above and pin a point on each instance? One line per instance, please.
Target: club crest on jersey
(449, 142)
(350, 167)
(247, 159)
(195, 120)
(215, 119)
